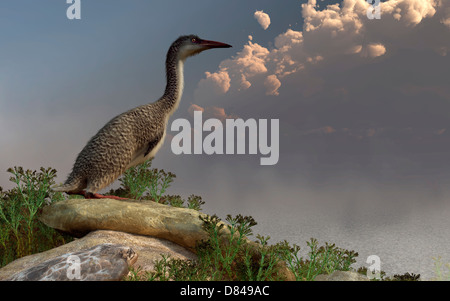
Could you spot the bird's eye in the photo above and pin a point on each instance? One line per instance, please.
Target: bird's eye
(194, 40)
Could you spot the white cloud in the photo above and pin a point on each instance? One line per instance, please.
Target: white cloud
(328, 34)
(289, 38)
(219, 82)
(262, 18)
(237, 71)
(412, 12)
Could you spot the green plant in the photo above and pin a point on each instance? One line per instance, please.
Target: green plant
(262, 263)
(395, 277)
(195, 202)
(438, 270)
(142, 181)
(170, 269)
(322, 260)
(405, 277)
(173, 200)
(364, 271)
(21, 233)
(145, 183)
(221, 250)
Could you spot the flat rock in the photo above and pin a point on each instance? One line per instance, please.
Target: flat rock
(147, 249)
(80, 216)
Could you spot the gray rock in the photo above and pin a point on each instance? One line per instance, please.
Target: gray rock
(148, 250)
(106, 262)
(342, 276)
(149, 228)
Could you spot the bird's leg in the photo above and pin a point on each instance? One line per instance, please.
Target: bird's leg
(90, 195)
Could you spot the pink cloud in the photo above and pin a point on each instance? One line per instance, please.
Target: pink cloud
(194, 107)
(262, 18)
(441, 131)
(441, 91)
(330, 32)
(374, 50)
(210, 112)
(272, 84)
(322, 130)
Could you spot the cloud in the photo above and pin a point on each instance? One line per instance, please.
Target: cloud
(374, 50)
(441, 131)
(322, 130)
(216, 112)
(289, 38)
(219, 82)
(262, 18)
(412, 12)
(329, 34)
(193, 107)
(440, 91)
(272, 84)
(446, 22)
(446, 19)
(371, 132)
(442, 50)
(249, 62)
(328, 130)
(211, 112)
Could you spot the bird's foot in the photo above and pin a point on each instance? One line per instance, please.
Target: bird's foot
(101, 196)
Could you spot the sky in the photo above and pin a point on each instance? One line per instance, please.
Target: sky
(363, 104)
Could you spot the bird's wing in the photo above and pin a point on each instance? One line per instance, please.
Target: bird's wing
(146, 151)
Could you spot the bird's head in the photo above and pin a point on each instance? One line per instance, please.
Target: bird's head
(190, 45)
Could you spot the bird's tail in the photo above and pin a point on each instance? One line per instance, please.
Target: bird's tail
(68, 186)
(64, 187)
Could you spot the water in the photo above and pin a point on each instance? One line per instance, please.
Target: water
(404, 242)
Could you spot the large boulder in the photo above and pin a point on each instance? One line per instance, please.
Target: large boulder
(147, 250)
(146, 218)
(80, 216)
(106, 262)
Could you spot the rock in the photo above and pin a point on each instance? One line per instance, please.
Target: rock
(147, 248)
(80, 216)
(342, 276)
(181, 226)
(106, 262)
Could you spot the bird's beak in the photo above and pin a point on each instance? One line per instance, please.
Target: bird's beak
(214, 44)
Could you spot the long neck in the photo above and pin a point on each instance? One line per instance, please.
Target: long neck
(175, 82)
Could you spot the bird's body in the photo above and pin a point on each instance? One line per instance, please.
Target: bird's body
(135, 136)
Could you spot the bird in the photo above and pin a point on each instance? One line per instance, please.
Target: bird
(134, 136)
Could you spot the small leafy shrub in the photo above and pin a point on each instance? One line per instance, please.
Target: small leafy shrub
(441, 275)
(228, 255)
(142, 181)
(21, 233)
(322, 260)
(225, 255)
(145, 183)
(395, 277)
(170, 269)
(363, 271)
(405, 277)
